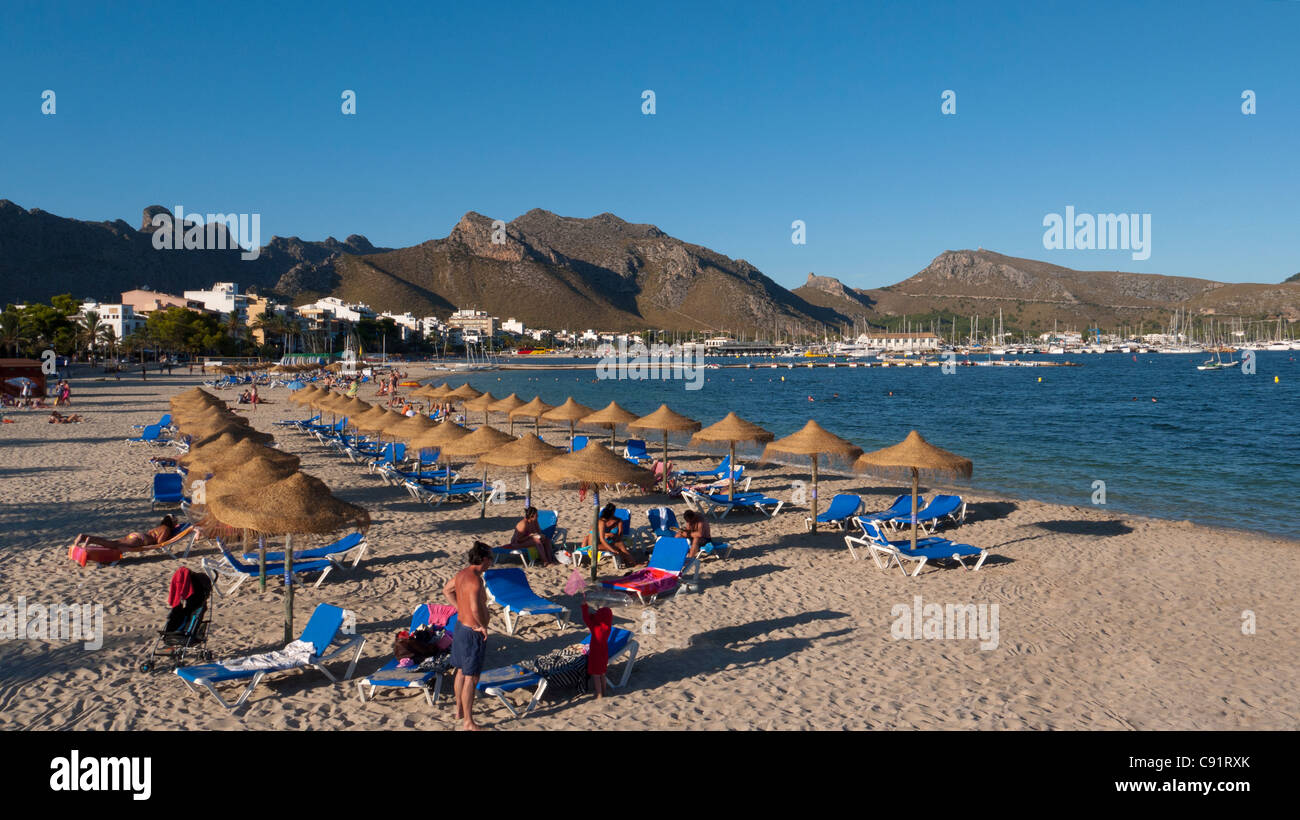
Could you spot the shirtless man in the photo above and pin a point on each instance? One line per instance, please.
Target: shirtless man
(697, 530)
(135, 541)
(529, 534)
(467, 593)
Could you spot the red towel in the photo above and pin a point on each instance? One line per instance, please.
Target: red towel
(181, 587)
(601, 625)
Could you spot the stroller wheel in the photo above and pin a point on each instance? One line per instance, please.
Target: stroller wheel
(147, 666)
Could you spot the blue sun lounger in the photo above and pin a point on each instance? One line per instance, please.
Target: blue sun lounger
(927, 549)
(508, 588)
(167, 491)
(323, 631)
(942, 508)
(505, 679)
(843, 507)
(635, 451)
(239, 572)
(164, 423)
(717, 472)
(390, 676)
(901, 506)
(299, 423)
(339, 549)
(152, 434)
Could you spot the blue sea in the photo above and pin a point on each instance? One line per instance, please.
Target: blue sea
(1215, 447)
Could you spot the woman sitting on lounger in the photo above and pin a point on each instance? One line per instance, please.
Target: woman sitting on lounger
(610, 529)
(134, 541)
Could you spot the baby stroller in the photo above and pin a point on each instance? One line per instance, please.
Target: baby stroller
(185, 635)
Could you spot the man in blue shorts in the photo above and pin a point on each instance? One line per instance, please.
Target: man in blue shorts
(469, 643)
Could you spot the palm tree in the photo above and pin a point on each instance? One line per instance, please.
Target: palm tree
(88, 325)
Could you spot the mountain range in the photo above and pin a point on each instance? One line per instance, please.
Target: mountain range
(600, 272)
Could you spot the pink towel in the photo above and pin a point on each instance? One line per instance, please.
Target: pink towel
(439, 614)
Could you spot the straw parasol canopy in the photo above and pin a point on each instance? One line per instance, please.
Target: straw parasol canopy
(813, 441)
(247, 475)
(431, 392)
(411, 426)
(571, 412)
(438, 436)
(297, 504)
(464, 393)
(214, 433)
(507, 404)
(228, 452)
(371, 420)
(306, 394)
(731, 429)
(532, 410)
(481, 402)
(525, 452)
(595, 465)
(914, 455)
(483, 440)
(667, 420)
(611, 415)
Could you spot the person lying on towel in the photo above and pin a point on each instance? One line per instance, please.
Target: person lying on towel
(133, 541)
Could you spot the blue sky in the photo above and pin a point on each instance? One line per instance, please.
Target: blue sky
(765, 113)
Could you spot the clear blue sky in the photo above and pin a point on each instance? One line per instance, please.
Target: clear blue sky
(766, 113)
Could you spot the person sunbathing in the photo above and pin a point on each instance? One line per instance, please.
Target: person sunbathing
(58, 418)
(529, 534)
(133, 541)
(609, 529)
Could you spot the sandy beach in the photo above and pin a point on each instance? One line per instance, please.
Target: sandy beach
(1105, 621)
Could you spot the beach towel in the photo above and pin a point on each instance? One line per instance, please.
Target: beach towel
(439, 615)
(647, 581)
(181, 587)
(296, 653)
(102, 555)
(566, 668)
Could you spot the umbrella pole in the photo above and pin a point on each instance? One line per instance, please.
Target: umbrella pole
(914, 509)
(570, 435)
(611, 437)
(594, 555)
(665, 461)
(528, 486)
(482, 496)
(261, 562)
(814, 498)
(288, 588)
(731, 467)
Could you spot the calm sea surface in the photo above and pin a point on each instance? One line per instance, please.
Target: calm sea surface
(1216, 447)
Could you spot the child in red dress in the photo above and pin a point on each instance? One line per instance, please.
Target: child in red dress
(601, 624)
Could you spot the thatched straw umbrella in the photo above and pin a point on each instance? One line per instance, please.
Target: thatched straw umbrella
(532, 410)
(440, 436)
(481, 402)
(571, 412)
(525, 452)
(228, 453)
(483, 440)
(611, 415)
(914, 455)
(464, 393)
(507, 404)
(594, 465)
(731, 429)
(667, 420)
(238, 431)
(813, 440)
(411, 428)
(305, 395)
(297, 504)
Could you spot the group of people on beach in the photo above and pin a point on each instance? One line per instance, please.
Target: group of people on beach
(610, 535)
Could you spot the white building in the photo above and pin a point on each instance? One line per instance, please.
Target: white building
(224, 298)
(342, 310)
(122, 318)
(410, 326)
(513, 325)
